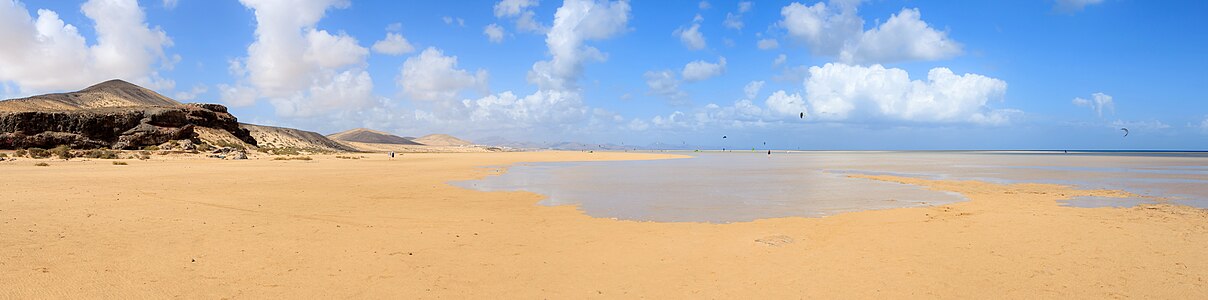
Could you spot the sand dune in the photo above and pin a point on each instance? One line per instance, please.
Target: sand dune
(442, 140)
(382, 228)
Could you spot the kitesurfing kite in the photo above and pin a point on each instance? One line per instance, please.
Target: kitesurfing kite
(1125, 131)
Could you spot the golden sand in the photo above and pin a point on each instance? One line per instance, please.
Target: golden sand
(379, 228)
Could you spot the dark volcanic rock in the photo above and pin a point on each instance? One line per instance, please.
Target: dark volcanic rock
(117, 128)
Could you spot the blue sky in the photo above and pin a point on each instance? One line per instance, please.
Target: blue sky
(879, 74)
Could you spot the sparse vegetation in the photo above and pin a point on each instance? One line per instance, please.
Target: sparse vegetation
(349, 157)
(293, 158)
(144, 153)
(144, 157)
(42, 164)
(62, 152)
(102, 153)
(227, 144)
(38, 153)
(20, 153)
(204, 147)
(120, 163)
(3, 155)
(151, 148)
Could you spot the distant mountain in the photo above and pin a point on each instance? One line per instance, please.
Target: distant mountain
(363, 135)
(279, 137)
(113, 93)
(442, 140)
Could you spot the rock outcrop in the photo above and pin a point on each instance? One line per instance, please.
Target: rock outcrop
(114, 127)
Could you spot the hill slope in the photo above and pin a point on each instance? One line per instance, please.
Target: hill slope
(442, 140)
(363, 135)
(113, 93)
(279, 137)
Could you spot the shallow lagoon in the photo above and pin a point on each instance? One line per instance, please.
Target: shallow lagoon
(739, 186)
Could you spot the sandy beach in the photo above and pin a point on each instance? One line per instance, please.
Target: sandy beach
(382, 228)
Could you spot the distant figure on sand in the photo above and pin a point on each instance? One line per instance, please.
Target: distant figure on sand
(769, 153)
(391, 154)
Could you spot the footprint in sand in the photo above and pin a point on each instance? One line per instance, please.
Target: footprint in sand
(775, 240)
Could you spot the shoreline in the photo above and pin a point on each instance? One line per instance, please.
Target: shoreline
(375, 227)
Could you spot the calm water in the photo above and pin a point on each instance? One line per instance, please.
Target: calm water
(744, 186)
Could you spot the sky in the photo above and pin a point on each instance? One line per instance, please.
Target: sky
(837, 75)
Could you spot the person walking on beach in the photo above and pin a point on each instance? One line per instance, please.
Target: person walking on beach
(769, 153)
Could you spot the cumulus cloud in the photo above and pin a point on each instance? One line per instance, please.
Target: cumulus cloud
(556, 106)
(845, 92)
(1072, 6)
(1098, 103)
(432, 76)
(767, 44)
(393, 44)
(691, 36)
(734, 20)
(576, 22)
(522, 12)
(47, 54)
(783, 104)
(664, 84)
(701, 70)
(835, 29)
(751, 90)
(302, 70)
(494, 33)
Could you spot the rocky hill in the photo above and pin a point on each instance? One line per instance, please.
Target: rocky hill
(113, 114)
(113, 93)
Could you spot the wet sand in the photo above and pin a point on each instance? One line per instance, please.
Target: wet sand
(378, 228)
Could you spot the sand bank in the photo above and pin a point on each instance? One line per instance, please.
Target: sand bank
(378, 228)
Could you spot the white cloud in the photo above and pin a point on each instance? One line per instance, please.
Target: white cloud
(835, 29)
(47, 54)
(494, 33)
(451, 20)
(664, 84)
(1072, 6)
(393, 44)
(780, 59)
(185, 96)
(522, 11)
(1204, 124)
(783, 104)
(394, 27)
(751, 90)
(1143, 125)
(691, 36)
(767, 44)
(432, 76)
(1099, 103)
(845, 92)
(576, 22)
(704, 5)
(701, 70)
(170, 4)
(734, 20)
(303, 71)
(237, 95)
